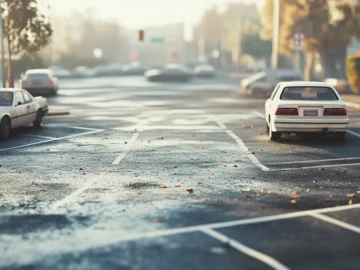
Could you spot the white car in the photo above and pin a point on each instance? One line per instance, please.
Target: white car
(204, 71)
(18, 109)
(305, 107)
(40, 81)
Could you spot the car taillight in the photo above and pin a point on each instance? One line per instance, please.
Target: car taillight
(335, 112)
(287, 111)
(52, 81)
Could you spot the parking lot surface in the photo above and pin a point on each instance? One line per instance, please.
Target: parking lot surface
(175, 176)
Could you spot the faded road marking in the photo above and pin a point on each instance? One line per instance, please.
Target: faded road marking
(244, 249)
(127, 149)
(243, 147)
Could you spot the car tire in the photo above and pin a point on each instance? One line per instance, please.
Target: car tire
(340, 137)
(5, 128)
(274, 136)
(38, 120)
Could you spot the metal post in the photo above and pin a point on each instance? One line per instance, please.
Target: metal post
(276, 32)
(2, 50)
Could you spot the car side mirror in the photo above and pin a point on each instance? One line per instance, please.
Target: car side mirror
(19, 103)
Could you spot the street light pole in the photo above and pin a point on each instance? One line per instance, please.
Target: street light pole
(2, 49)
(276, 33)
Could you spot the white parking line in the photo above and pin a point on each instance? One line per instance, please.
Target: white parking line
(261, 115)
(52, 140)
(246, 250)
(127, 149)
(353, 133)
(243, 147)
(313, 161)
(318, 167)
(39, 136)
(336, 222)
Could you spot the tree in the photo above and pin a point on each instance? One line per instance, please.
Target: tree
(328, 26)
(26, 30)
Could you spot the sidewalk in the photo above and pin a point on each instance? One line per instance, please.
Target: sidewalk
(57, 111)
(352, 101)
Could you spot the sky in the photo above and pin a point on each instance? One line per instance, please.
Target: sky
(140, 13)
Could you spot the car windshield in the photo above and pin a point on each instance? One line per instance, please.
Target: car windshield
(6, 98)
(308, 93)
(37, 76)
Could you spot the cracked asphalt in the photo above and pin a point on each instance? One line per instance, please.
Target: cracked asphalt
(175, 176)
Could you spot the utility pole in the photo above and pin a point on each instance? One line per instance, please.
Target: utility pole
(2, 49)
(276, 33)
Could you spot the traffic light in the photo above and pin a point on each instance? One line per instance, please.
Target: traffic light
(141, 35)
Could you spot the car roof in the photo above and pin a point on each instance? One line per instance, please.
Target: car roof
(304, 83)
(32, 71)
(10, 89)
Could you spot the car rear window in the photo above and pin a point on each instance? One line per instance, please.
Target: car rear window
(6, 98)
(308, 93)
(37, 76)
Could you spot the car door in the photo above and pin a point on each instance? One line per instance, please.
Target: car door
(19, 117)
(30, 108)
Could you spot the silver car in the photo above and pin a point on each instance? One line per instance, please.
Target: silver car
(40, 81)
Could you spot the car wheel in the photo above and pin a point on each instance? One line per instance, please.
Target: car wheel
(5, 128)
(274, 136)
(38, 120)
(340, 137)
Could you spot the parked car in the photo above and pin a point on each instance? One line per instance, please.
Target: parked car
(262, 83)
(204, 71)
(133, 69)
(40, 81)
(171, 72)
(341, 85)
(108, 70)
(18, 108)
(83, 72)
(60, 72)
(306, 107)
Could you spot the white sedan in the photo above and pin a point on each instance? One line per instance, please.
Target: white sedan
(40, 81)
(18, 109)
(305, 107)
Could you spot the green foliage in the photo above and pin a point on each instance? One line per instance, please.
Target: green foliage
(353, 73)
(25, 28)
(256, 47)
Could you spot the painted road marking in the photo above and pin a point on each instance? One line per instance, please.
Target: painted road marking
(259, 114)
(353, 133)
(127, 149)
(336, 222)
(318, 167)
(94, 238)
(312, 161)
(246, 250)
(53, 140)
(243, 147)
(39, 136)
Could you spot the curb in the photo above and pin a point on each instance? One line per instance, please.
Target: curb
(57, 111)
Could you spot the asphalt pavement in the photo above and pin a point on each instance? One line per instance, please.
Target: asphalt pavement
(146, 175)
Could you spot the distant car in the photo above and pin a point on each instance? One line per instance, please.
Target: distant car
(262, 83)
(18, 109)
(341, 85)
(60, 72)
(133, 69)
(108, 70)
(170, 73)
(83, 72)
(305, 107)
(40, 81)
(204, 71)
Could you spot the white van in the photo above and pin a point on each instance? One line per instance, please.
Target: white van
(263, 83)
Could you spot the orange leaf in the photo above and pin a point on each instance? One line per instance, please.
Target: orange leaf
(293, 202)
(352, 195)
(163, 186)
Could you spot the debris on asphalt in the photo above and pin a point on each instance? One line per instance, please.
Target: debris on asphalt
(236, 166)
(308, 190)
(83, 173)
(350, 202)
(223, 151)
(80, 169)
(190, 190)
(352, 195)
(160, 138)
(177, 185)
(248, 126)
(33, 183)
(294, 195)
(125, 142)
(163, 186)
(269, 192)
(293, 201)
(237, 160)
(155, 220)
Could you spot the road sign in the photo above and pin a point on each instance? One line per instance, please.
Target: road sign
(299, 41)
(157, 40)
